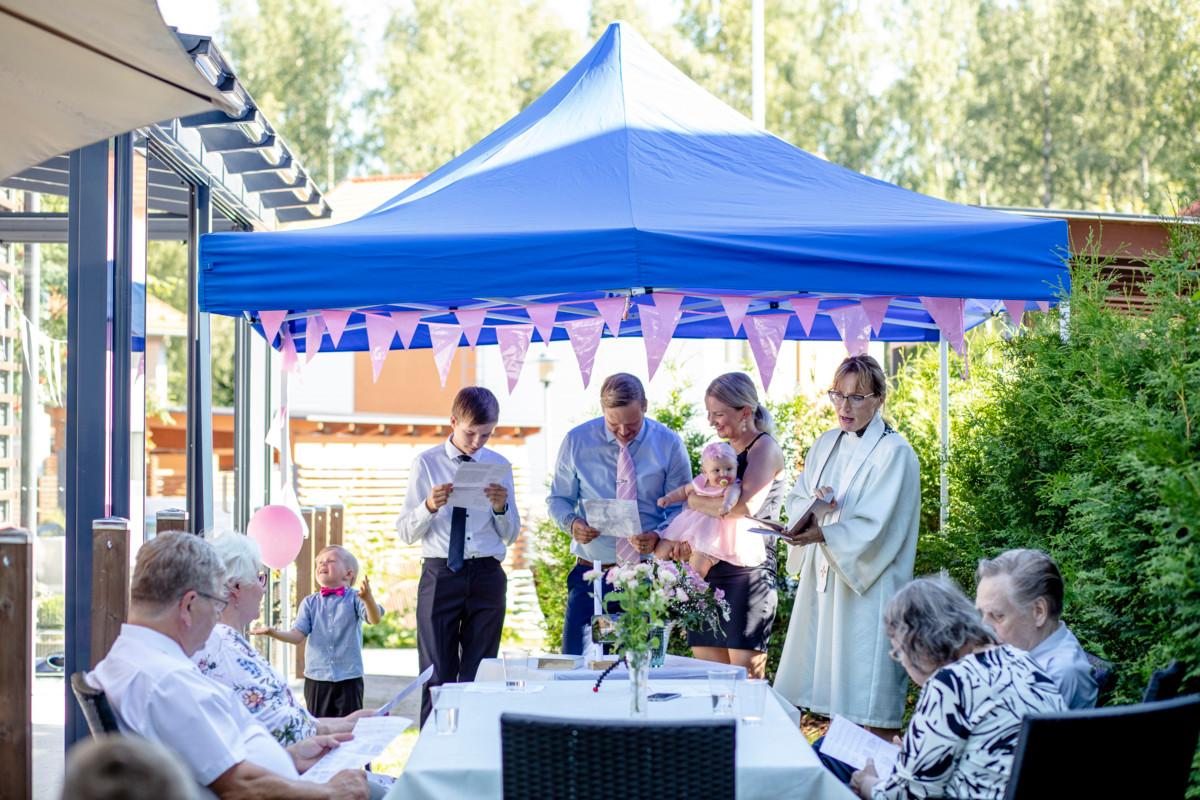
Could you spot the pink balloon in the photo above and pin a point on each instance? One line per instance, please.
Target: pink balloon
(279, 532)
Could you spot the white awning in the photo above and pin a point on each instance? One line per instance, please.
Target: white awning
(73, 72)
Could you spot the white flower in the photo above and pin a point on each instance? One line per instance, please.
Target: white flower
(681, 595)
(592, 574)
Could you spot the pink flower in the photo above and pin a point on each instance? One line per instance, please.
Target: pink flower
(718, 594)
(681, 595)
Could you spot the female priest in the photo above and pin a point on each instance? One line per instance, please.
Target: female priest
(853, 554)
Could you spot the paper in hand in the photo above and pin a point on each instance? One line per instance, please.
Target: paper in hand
(613, 517)
(852, 744)
(421, 680)
(372, 735)
(472, 478)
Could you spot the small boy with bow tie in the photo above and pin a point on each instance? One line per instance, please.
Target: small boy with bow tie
(331, 620)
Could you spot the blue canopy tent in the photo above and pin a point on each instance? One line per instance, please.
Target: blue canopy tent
(626, 177)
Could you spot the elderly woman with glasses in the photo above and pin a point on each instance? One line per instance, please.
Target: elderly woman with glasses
(851, 554)
(974, 693)
(230, 660)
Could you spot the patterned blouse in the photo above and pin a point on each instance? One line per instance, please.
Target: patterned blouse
(963, 734)
(229, 659)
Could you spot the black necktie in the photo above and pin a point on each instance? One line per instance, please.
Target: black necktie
(458, 532)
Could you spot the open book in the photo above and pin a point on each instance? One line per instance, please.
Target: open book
(768, 527)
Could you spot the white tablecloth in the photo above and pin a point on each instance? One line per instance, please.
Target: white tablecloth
(773, 758)
(673, 668)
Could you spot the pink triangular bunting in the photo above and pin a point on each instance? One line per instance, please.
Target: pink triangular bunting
(444, 339)
(335, 321)
(1016, 311)
(852, 323)
(406, 325)
(514, 344)
(1043, 305)
(806, 311)
(380, 330)
(876, 309)
(658, 324)
(585, 340)
(735, 308)
(765, 334)
(471, 320)
(271, 320)
(612, 309)
(314, 330)
(543, 316)
(287, 348)
(947, 314)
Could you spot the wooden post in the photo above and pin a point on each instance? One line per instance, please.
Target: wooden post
(337, 514)
(171, 519)
(304, 576)
(321, 528)
(16, 663)
(110, 583)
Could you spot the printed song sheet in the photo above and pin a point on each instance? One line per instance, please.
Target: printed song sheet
(471, 479)
(613, 517)
(848, 742)
(372, 735)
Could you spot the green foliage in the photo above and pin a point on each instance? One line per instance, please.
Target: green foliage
(681, 416)
(297, 57)
(391, 632)
(1090, 450)
(551, 565)
(51, 611)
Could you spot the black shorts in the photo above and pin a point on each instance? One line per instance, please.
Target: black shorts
(333, 698)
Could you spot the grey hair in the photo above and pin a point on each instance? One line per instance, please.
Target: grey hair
(239, 553)
(932, 620)
(125, 767)
(172, 564)
(736, 390)
(868, 372)
(1033, 574)
(346, 556)
(622, 389)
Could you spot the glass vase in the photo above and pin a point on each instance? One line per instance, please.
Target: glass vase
(639, 682)
(658, 655)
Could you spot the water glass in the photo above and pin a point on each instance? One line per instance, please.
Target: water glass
(752, 698)
(446, 701)
(516, 669)
(721, 685)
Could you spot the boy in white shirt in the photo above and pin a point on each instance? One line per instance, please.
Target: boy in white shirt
(461, 595)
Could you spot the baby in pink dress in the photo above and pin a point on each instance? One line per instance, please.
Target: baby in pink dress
(712, 539)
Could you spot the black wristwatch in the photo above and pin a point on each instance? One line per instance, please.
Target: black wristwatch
(502, 511)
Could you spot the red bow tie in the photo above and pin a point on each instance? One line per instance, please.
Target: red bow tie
(339, 591)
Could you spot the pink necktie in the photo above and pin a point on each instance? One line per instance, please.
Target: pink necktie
(626, 490)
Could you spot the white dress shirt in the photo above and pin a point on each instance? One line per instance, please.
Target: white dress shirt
(487, 533)
(158, 693)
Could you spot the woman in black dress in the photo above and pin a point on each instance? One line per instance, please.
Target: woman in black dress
(749, 580)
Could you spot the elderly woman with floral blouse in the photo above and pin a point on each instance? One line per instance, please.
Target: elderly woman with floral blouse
(229, 659)
(974, 693)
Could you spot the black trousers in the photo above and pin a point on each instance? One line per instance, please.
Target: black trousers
(333, 698)
(460, 616)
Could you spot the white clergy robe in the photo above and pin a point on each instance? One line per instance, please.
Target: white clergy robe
(835, 659)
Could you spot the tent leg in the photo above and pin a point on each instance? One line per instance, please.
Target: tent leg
(944, 430)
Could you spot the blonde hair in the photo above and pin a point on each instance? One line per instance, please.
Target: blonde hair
(347, 558)
(475, 405)
(868, 372)
(622, 389)
(736, 390)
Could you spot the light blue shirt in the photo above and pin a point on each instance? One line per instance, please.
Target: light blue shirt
(1063, 659)
(587, 470)
(333, 626)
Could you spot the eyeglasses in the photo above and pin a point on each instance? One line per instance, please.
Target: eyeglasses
(894, 654)
(219, 603)
(856, 400)
(262, 579)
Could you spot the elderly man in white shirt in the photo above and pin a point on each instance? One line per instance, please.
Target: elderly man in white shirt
(1020, 595)
(177, 596)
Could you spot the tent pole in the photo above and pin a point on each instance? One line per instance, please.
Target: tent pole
(944, 430)
(758, 83)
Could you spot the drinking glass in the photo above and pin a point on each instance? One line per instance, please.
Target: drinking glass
(752, 698)
(446, 701)
(721, 685)
(516, 669)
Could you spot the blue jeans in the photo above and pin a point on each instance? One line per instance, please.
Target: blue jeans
(580, 609)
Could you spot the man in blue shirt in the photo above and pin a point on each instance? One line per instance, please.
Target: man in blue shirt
(649, 457)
